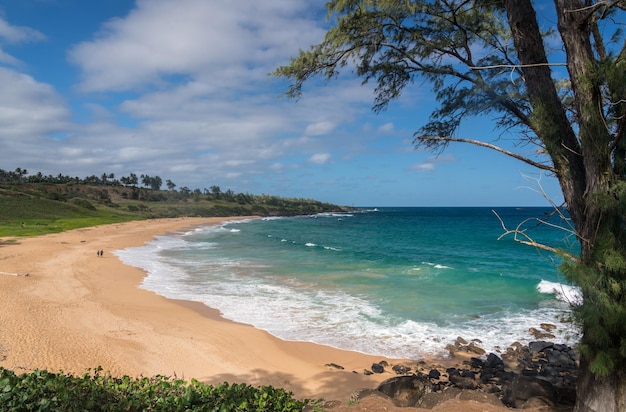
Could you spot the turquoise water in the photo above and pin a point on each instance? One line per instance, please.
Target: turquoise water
(397, 282)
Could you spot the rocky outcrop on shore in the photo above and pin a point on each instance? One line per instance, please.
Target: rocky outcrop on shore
(541, 374)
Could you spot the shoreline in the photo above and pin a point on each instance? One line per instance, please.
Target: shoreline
(77, 311)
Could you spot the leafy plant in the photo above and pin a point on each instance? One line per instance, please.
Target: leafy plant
(41, 390)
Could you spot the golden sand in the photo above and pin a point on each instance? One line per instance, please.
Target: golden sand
(75, 311)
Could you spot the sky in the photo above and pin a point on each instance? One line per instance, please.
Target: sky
(181, 89)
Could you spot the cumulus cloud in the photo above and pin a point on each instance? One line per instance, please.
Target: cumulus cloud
(180, 88)
(29, 108)
(222, 42)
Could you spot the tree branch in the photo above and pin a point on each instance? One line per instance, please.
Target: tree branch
(529, 241)
(489, 146)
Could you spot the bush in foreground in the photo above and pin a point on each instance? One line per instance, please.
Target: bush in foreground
(46, 391)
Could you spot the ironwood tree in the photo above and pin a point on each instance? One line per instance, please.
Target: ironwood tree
(561, 88)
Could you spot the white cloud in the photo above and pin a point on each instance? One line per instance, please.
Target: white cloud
(18, 34)
(386, 128)
(15, 34)
(319, 128)
(29, 108)
(319, 158)
(220, 42)
(428, 166)
(431, 163)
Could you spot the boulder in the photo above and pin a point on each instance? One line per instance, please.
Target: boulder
(521, 389)
(539, 346)
(406, 390)
(464, 382)
(378, 368)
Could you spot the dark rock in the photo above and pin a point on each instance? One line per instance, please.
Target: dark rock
(468, 374)
(378, 368)
(539, 346)
(504, 376)
(406, 390)
(334, 365)
(558, 358)
(463, 382)
(367, 372)
(486, 377)
(522, 388)
(493, 361)
(547, 378)
(434, 374)
(476, 363)
(452, 372)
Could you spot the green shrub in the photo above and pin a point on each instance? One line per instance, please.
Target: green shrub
(45, 391)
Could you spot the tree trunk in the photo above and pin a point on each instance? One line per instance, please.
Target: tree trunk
(582, 160)
(595, 394)
(549, 119)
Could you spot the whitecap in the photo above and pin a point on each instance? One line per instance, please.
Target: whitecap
(566, 293)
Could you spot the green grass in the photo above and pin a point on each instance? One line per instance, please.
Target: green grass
(38, 209)
(26, 215)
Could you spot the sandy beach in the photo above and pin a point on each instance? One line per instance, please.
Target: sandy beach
(76, 310)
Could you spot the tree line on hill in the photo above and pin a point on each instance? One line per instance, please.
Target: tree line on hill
(20, 175)
(127, 187)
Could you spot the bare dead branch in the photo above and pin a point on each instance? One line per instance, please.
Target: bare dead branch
(520, 236)
(515, 66)
(489, 146)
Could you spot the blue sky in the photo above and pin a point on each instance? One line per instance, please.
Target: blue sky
(180, 89)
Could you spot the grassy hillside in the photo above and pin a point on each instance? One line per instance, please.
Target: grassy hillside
(28, 209)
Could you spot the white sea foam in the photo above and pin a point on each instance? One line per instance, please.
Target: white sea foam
(566, 293)
(293, 311)
(309, 244)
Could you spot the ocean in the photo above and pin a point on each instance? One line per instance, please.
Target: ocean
(394, 282)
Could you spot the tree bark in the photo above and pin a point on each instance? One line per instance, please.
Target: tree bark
(594, 394)
(549, 120)
(582, 159)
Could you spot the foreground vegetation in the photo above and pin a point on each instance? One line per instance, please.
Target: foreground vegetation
(45, 391)
(38, 206)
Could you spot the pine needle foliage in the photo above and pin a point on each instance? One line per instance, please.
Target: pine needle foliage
(602, 280)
